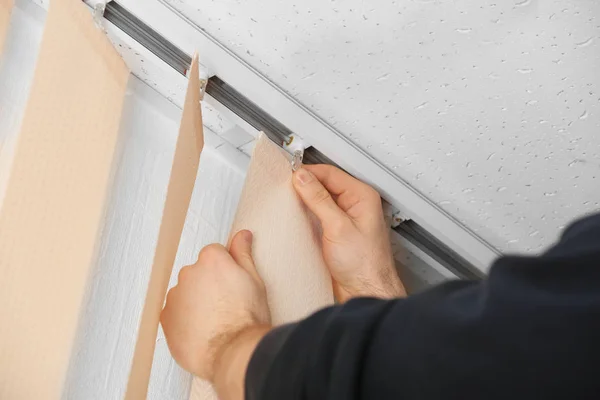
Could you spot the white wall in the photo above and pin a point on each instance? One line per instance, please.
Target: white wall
(490, 108)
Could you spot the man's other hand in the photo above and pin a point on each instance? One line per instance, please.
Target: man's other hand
(356, 245)
(215, 303)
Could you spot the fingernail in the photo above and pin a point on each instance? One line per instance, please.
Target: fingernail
(303, 176)
(247, 235)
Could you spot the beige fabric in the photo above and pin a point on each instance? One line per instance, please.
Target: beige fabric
(55, 200)
(5, 7)
(179, 193)
(286, 245)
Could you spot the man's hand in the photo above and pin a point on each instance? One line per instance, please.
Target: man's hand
(216, 315)
(356, 245)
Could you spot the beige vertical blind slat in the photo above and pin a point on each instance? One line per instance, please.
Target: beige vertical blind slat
(55, 200)
(179, 193)
(5, 8)
(286, 247)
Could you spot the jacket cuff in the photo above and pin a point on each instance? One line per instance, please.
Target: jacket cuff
(262, 359)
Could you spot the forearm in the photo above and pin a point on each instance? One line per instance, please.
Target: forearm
(232, 362)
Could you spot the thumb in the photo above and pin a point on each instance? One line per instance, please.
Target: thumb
(241, 251)
(316, 197)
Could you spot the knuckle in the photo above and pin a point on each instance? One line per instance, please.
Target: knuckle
(372, 195)
(337, 227)
(210, 253)
(321, 196)
(214, 248)
(184, 273)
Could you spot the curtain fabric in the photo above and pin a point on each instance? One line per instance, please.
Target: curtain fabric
(55, 200)
(179, 193)
(53, 208)
(54, 203)
(5, 8)
(286, 246)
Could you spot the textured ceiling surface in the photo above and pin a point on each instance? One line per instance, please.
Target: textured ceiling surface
(489, 108)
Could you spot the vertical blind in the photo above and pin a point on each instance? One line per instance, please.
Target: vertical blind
(54, 202)
(5, 8)
(58, 195)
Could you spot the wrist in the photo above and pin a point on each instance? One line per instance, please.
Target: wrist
(385, 285)
(232, 359)
(395, 288)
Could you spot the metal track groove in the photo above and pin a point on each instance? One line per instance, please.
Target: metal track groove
(147, 37)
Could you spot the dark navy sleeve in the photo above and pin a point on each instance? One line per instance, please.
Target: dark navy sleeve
(531, 329)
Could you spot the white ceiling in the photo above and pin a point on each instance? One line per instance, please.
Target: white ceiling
(491, 109)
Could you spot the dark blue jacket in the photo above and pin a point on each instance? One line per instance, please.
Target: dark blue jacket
(530, 330)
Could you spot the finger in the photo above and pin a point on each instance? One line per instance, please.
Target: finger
(353, 196)
(334, 179)
(183, 272)
(317, 198)
(241, 251)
